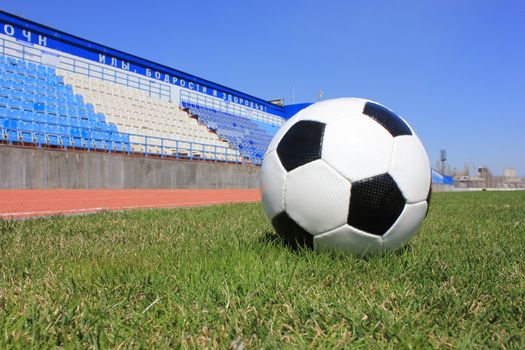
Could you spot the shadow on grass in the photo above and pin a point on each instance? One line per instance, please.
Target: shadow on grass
(272, 238)
(400, 251)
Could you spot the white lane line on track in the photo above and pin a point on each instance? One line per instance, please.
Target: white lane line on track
(51, 200)
(97, 209)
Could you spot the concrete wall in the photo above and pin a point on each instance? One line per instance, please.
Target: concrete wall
(38, 168)
(442, 188)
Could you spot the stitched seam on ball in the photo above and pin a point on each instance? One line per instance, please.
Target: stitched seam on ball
(335, 170)
(392, 158)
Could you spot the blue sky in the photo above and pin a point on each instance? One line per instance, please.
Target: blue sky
(455, 69)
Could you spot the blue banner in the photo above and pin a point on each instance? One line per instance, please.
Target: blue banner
(438, 178)
(36, 34)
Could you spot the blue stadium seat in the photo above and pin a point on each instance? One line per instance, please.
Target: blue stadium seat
(62, 131)
(250, 137)
(50, 108)
(122, 142)
(91, 124)
(11, 130)
(4, 124)
(97, 140)
(4, 112)
(76, 138)
(112, 128)
(62, 110)
(39, 133)
(26, 131)
(26, 115)
(116, 143)
(51, 118)
(62, 120)
(15, 103)
(73, 122)
(4, 97)
(72, 112)
(52, 135)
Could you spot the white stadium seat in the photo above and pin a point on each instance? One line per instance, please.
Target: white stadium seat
(135, 112)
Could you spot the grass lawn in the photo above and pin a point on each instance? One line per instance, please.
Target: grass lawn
(217, 277)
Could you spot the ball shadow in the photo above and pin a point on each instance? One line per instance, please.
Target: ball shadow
(272, 238)
(405, 249)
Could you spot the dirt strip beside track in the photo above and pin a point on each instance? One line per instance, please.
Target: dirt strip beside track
(18, 204)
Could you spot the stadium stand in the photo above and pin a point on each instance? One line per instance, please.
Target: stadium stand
(40, 105)
(60, 91)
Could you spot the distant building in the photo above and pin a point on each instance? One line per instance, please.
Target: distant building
(508, 182)
(509, 179)
(485, 179)
(466, 181)
(509, 172)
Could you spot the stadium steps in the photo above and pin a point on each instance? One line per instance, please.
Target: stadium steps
(135, 112)
(249, 136)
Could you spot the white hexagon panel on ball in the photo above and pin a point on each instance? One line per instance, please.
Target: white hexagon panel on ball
(411, 168)
(317, 197)
(273, 177)
(350, 240)
(357, 147)
(405, 226)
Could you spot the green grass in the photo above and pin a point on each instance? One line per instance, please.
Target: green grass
(216, 277)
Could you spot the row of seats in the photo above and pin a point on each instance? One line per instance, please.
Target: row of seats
(13, 130)
(43, 133)
(119, 89)
(62, 136)
(33, 81)
(22, 72)
(96, 123)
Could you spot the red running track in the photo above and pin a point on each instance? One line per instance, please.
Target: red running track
(17, 204)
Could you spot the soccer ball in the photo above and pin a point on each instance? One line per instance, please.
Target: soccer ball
(346, 174)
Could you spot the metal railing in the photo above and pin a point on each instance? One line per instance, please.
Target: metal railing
(138, 144)
(221, 105)
(124, 143)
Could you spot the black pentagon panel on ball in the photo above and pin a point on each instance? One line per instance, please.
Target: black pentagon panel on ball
(388, 119)
(375, 204)
(301, 144)
(293, 235)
